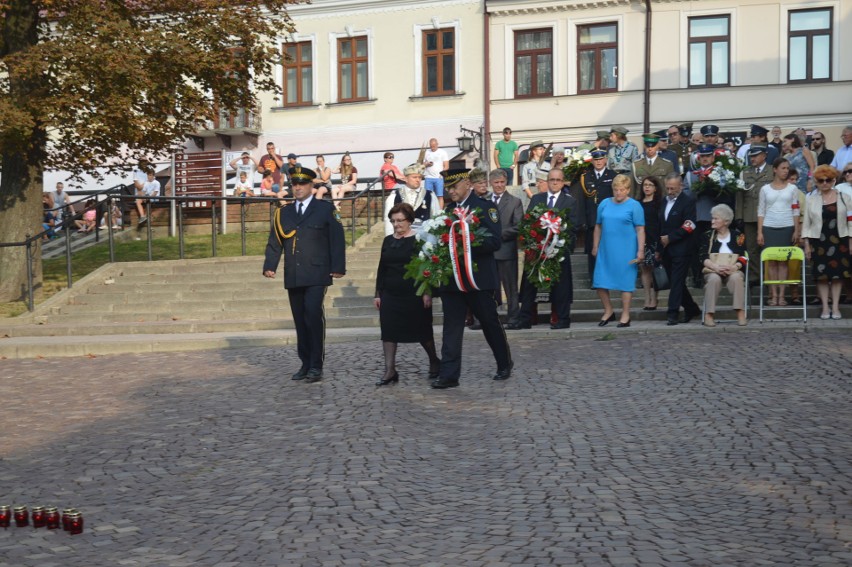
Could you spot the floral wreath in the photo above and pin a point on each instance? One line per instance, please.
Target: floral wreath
(542, 234)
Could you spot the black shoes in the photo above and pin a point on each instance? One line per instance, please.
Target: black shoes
(555, 326)
(392, 380)
(444, 384)
(314, 375)
(475, 327)
(622, 325)
(434, 371)
(689, 316)
(518, 326)
(506, 373)
(300, 375)
(607, 321)
(671, 322)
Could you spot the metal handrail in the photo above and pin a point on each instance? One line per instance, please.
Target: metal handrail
(112, 195)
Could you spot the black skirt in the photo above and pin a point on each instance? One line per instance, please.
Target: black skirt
(402, 317)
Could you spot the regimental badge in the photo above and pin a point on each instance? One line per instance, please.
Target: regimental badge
(741, 240)
(337, 216)
(492, 214)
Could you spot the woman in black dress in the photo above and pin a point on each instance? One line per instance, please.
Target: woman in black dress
(652, 198)
(404, 317)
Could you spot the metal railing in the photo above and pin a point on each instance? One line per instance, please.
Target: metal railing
(113, 194)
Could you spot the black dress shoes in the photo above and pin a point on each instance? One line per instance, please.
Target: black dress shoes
(518, 326)
(434, 371)
(475, 327)
(444, 384)
(555, 326)
(300, 375)
(393, 379)
(689, 316)
(671, 322)
(622, 325)
(314, 375)
(607, 321)
(506, 373)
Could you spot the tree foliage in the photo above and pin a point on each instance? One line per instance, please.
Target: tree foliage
(88, 84)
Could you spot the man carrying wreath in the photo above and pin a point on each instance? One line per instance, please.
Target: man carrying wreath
(562, 294)
(471, 287)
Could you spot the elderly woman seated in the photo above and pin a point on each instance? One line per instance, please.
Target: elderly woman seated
(722, 251)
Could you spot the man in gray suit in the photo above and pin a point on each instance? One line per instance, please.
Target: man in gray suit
(510, 210)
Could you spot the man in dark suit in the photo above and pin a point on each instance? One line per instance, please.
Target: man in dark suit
(511, 211)
(309, 233)
(590, 188)
(562, 294)
(457, 300)
(676, 246)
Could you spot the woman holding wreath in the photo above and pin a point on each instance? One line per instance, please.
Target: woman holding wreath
(404, 316)
(722, 253)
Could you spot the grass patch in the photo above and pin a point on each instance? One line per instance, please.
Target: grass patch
(84, 262)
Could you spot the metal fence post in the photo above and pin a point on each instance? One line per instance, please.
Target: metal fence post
(67, 225)
(179, 213)
(148, 228)
(30, 285)
(110, 223)
(243, 225)
(213, 223)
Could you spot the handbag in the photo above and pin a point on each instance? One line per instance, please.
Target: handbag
(721, 259)
(661, 278)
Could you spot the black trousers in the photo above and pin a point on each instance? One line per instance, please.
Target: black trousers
(679, 295)
(306, 304)
(481, 303)
(508, 273)
(562, 295)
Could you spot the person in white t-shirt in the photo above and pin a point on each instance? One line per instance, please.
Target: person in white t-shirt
(435, 161)
(244, 163)
(151, 188)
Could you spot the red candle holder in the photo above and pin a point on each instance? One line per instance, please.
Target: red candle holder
(38, 517)
(66, 517)
(75, 523)
(5, 516)
(51, 518)
(22, 516)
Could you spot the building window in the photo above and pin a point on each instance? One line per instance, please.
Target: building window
(298, 74)
(533, 63)
(709, 51)
(809, 45)
(352, 69)
(597, 56)
(439, 62)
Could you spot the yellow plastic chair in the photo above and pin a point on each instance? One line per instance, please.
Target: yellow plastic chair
(785, 254)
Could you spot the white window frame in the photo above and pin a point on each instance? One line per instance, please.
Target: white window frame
(509, 40)
(684, 44)
(417, 33)
(279, 68)
(785, 40)
(332, 48)
(573, 24)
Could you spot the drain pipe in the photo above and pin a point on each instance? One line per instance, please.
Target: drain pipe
(647, 116)
(486, 110)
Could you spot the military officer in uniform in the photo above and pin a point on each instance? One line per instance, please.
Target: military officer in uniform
(590, 188)
(309, 233)
(664, 152)
(622, 152)
(759, 135)
(650, 164)
(684, 147)
(480, 299)
(755, 176)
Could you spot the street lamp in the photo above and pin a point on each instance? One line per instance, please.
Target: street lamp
(471, 141)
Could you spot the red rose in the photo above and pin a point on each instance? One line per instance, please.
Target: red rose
(426, 273)
(472, 237)
(475, 219)
(527, 217)
(445, 238)
(448, 222)
(435, 259)
(533, 233)
(521, 239)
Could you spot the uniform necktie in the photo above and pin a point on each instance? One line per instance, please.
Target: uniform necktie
(299, 209)
(550, 203)
(496, 199)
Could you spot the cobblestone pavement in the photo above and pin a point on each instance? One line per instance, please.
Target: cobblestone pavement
(701, 449)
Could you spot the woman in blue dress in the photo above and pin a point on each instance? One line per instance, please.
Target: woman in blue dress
(619, 245)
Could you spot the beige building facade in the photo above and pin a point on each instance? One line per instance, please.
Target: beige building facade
(559, 70)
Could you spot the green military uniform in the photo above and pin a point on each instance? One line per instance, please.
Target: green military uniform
(643, 167)
(746, 206)
(684, 150)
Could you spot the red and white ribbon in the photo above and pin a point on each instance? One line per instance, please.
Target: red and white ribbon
(551, 223)
(465, 217)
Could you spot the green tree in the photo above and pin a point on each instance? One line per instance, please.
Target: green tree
(104, 83)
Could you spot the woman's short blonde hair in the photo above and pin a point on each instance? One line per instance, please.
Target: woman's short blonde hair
(826, 171)
(724, 212)
(622, 180)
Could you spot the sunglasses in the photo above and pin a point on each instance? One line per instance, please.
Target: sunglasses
(388, 157)
(824, 180)
(847, 172)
